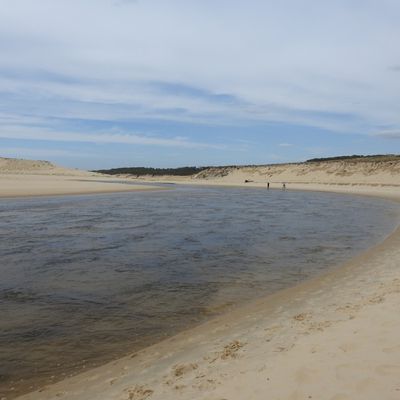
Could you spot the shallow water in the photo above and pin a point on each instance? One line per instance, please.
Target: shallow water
(86, 279)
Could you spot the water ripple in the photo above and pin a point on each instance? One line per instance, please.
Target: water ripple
(95, 277)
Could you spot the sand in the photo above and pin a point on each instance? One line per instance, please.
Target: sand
(42, 185)
(21, 178)
(334, 337)
(375, 173)
(376, 178)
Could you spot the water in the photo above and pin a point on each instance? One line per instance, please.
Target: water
(87, 279)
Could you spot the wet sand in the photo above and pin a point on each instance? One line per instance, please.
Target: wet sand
(335, 337)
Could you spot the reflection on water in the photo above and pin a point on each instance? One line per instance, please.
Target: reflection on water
(86, 279)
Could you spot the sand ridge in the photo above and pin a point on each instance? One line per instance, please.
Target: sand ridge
(346, 172)
(35, 167)
(25, 178)
(374, 178)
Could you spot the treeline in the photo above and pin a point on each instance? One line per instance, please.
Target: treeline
(376, 157)
(139, 171)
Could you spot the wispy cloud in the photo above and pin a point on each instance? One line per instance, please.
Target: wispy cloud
(389, 134)
(15, 132)
(285, 144)
(43, 153)
(159, 60)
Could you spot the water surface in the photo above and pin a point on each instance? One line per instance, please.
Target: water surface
(86, 279)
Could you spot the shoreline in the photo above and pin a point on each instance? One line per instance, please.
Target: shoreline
(171, 369)
(13, 185)
(33, 185)
(384, 191)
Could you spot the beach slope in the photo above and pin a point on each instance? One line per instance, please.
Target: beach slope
(21, 178)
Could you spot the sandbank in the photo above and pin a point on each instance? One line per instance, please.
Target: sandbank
(28, 178)
(25, 185)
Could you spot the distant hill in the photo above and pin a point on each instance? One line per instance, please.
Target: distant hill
(355, 157)
(375, 170)
(36, 167)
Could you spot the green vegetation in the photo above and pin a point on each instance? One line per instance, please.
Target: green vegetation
(140, 171)
(356, 157)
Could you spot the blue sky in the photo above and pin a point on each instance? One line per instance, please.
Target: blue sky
(106, 83)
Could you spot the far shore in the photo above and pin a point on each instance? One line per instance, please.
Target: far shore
(35, 185)
(31, 185)
(334, 337)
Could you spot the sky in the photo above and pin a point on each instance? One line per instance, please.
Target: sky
(109, 83)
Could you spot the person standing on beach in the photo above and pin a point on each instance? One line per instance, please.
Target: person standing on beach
(267, 185)
(284, 186)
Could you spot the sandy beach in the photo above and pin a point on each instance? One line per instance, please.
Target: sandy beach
(23, 178)
(374, 178)
(42, 185)
(334, 337)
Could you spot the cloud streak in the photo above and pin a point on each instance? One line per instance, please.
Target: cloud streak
(49, 154)
(15, 132)
(285, 145)
(389, 134)
(155, 56)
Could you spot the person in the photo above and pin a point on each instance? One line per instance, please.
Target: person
(267, 185)
(283, 186)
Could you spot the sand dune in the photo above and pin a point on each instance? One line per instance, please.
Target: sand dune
(382, 171)
(42, 178)
(375, 178)
(37, 167)
(326, 172)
